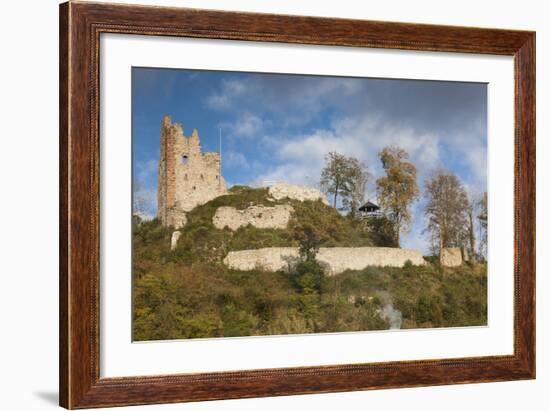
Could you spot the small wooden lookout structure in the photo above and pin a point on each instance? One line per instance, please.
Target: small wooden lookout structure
(369, 209)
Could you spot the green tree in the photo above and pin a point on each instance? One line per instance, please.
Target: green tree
(397, 189)
(381, 230)
(309, 276)
(310, 239)
(447, 209)
(345, 177)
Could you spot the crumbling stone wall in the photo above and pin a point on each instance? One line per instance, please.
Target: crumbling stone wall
(296, 192)
(174, 217)
(259, 216)
(187, 177)
(335, 260)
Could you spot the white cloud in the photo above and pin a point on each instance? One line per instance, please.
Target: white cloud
(292, 173)
(477, 158)
(217, 101)
(146, 169)
(224, 98)
(363, 138)
(234, 87)
(247, 125)
(235, 160)
(304, 95)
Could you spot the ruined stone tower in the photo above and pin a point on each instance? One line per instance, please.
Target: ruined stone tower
(187, 177)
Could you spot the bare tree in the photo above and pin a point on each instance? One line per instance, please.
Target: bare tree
(345, 177)
(470, 211)
(333, 176)
(358, 179)
(447, 209)
(482, 217)
(139, 205)
(141, 200)
(397, 189)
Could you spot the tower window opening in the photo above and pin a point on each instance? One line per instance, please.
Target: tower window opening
(184, 159)
(202, 177)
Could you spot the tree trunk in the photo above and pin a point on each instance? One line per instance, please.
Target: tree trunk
(397, 229)
(472, 235)
(398, 235)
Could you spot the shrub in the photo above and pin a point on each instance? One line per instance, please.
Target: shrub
(429, 310)
(408, 264)
(188, 293)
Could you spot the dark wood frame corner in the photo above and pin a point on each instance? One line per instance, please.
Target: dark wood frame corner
(80, 27)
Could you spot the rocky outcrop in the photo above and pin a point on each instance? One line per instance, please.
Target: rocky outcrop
(174, 240)
(258, 216)
(296, 192)
(335, 260)
(453, 256)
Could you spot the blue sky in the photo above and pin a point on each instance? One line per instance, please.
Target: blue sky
(279, 127)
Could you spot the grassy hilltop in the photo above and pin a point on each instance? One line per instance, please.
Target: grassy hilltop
(188, 293)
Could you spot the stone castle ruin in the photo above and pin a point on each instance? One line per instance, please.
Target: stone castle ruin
(187, 177)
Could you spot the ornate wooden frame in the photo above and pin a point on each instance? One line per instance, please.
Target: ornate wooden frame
(80, 27)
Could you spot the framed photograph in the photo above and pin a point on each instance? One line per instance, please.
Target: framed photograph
(258, 205)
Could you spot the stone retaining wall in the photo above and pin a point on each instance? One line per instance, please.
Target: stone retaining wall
(268, 259)
(334, 259)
